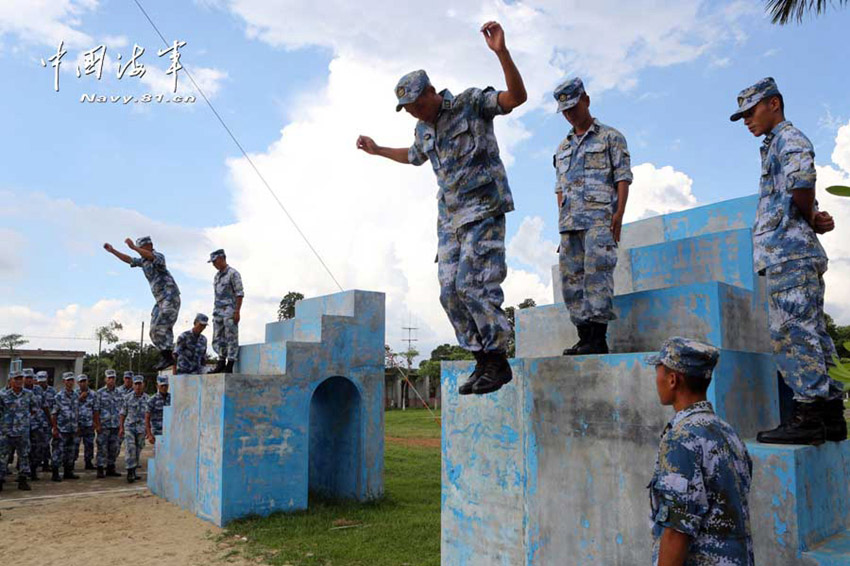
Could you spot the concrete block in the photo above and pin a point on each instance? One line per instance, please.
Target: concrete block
(726, 316)
(801, 498)
(556, 463)
(251, 444)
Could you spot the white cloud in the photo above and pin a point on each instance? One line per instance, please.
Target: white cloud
(11, 261)
(658, 191)
(209, 79)
(46, 22)
(836, 243)
(529, 247)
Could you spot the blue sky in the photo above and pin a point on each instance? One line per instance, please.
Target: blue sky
(297, 82)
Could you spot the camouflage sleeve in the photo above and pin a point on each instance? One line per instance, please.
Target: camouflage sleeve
(149, 405)
(123, 409)
(486, 103)
(236, 283)
(679, 487)
(135, 262)
(621, 162)
(95, 402)
(416, 155)
(158, 260)
(799, 169)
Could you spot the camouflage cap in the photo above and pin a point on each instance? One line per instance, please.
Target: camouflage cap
(138, 379)
(410, 86)
(568, 93)
(67, 375)
(27, 372)
(129, 374)
(15, 373)
(162, 380)
(82, 377)
(202, 318)
(41, 376)
(143, 240)
(691, 357)
(752, 95)
(110, 373)
(215, 255)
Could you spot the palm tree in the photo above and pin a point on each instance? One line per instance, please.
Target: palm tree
(782, 11)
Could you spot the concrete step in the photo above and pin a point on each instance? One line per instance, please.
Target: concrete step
(801, 496)
(727, 316)
(297, 329)
(556, 463)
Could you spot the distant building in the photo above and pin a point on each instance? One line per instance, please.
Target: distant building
(54, 362)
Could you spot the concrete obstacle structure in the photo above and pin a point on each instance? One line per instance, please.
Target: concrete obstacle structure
(302, 413)
(553, 469)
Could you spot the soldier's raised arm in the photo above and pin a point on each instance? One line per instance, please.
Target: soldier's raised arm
(515, 95)
(397, 154)
(123, 257)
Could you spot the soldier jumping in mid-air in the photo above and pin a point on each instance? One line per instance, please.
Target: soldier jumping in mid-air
(165, 293)
(456, 134)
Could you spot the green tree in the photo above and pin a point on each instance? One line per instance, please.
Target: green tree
(783, 11)
(12, 341)
(444, 352)
(840, 336)
(109, 335)
(286, 310)
(125, 356)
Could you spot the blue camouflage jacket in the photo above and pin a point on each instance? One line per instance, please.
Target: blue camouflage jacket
(162, 283)
(16, 411)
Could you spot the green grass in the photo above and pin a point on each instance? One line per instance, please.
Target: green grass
(403, 528)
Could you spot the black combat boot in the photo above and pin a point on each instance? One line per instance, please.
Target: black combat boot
(111, 473)
(56, 476)
(219, 367)
(33, 474)
(806, 426)
(131, 475)
(45, 467)
(836, 425)
(596, 341)
(466, 387)
(583, 337)
(1, 486)
(69, 474)
(22, 483)
(166, 360)
(100, 473)
(89, 465)
(496, 373)
(228, 367)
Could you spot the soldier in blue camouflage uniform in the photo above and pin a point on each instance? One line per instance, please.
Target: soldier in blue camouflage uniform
(153, 415)
(28, 375)
(107, 405)
(226, 312)
(132, 425)
(698, 492)
(165, 293)
(191, 349)
(123, 390)
(49, 393)
(593, 171)
(787, 251)
(455, 133)
(86, 434)
(17, 406)
(38, 424)
(66, 419)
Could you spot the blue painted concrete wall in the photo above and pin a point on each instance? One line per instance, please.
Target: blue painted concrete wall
(252, 443)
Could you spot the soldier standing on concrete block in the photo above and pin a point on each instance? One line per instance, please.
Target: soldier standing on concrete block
(132, 422)
(593, 171)
(107, 405)
(46, 460)
(456, 134)
(698, 492)
(153, 413)
(786, 250)
(86, 435)
(17, 406)
(191, 349)
(226, 312)
(66, 418)
(165, 293)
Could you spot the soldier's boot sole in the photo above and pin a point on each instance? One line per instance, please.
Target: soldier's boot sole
(23, 485)
(466, 387)
(497, 373)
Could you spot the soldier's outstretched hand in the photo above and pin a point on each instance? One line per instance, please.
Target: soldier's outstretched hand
(108, 247)
(129, 242)
(494, 35)
(367, 144)
(823, 223)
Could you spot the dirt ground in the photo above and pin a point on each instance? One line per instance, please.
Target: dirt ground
(91, 522)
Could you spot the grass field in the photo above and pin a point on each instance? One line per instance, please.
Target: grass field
(403, 528)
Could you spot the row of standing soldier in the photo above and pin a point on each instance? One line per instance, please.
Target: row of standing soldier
(699, 489)
(43, 427)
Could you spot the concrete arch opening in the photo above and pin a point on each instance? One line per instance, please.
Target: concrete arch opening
(335, 443)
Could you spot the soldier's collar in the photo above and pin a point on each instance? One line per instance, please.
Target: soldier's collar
(594, 127)
(775, 131)
(698, 407)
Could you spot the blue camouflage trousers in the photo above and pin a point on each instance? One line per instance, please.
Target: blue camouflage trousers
(225, 341)
(39, 447)
(14, 444)
(163, 317)
(63, 449)
(134, 442)
(586, 261)
(86, 436)
(108, 445)
(471, 269)
(802, 349)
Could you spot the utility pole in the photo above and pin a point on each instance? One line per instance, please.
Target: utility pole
(410, 340)
(141, 346)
